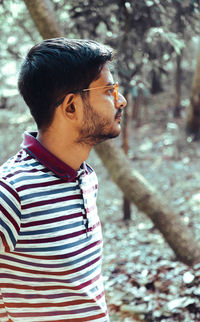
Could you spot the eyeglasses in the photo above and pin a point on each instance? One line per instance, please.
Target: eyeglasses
(114, 90)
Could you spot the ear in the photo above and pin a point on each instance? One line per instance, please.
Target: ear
(68, 106)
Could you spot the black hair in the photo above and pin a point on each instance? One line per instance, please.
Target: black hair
(56, 67)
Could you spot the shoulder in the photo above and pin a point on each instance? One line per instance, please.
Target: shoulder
(10, 215)
(9, 172)
(17, 168)
(7, 191)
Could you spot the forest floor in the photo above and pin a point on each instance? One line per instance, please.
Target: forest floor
(143, 279)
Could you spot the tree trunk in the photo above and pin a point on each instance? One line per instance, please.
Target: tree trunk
(125, 128)
(44, 18)
(125, 131)
(156, 86)
(126, 209)
(177, 107)
(125, 145)
(133, 185)
(138, 190)
(193, 116)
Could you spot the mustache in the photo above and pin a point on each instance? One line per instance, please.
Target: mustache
(119, 112)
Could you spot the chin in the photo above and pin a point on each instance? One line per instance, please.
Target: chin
(117, 129)
(114, 134)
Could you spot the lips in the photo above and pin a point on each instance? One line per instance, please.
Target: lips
(118, 115)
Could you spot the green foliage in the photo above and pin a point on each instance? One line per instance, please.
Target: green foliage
(17, 33)
(145, 33)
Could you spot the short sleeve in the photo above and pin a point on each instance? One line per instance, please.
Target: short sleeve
(10, 216)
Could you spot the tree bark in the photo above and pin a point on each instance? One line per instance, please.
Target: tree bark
(177, 107)
(144, 196)
(125, 145)
(193, 115)
(156, 86)
(125, 128)
(44, 18)
(134, 186)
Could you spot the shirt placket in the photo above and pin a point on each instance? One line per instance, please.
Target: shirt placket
(83, 188)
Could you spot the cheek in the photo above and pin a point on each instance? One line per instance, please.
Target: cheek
(107, 106)
(102, 100)
(100, 108)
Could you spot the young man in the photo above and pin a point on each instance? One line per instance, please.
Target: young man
(50, 235)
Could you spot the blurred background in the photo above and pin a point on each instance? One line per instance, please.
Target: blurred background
(150, 220)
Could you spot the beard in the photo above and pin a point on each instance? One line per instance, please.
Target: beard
(96, 128)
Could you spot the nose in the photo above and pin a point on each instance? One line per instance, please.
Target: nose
(121, 102)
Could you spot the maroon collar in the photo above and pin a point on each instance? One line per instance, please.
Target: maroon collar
(49, 160)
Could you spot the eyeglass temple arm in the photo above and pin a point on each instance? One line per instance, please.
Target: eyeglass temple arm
(89, 89)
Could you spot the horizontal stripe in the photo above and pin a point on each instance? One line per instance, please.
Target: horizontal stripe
(49, 183)
(29, 178)
(70, 245)
(48, 221)
(4, 315)
(54, 265)
(44, 279)
(9, 231)
(62, 273)
(52, 304)
(6, 200)
(50, 201)
(57, 229)
(33, 296)
(10, 218)
(53, 210)
(50, 230)
(55, 248)
(51, 240)
(49, 193)
(12, 192)
(85, 319)
(53, 287)
(63, 264)
(72, 312)
(22, 171)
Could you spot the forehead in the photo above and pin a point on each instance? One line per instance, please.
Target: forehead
(105, 77)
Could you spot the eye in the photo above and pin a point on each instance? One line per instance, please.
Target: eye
(110, 90)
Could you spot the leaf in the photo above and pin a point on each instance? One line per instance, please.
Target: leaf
(134, 309)
(188, 277)
(181, 302)
(165, 35)
(176, 43)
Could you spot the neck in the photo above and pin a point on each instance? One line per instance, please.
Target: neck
(67, 150)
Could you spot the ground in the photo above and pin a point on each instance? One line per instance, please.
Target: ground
(143, 279)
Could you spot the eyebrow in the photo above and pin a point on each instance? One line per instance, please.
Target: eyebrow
(108, 84)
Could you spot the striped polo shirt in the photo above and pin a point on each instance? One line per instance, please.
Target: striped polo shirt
(50, 240)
